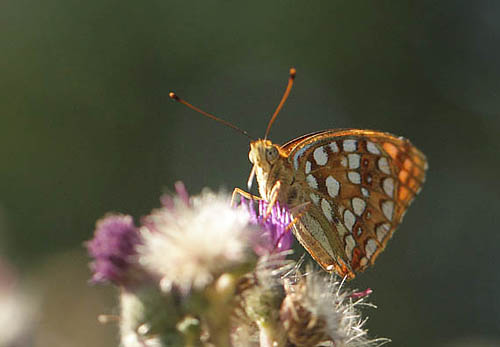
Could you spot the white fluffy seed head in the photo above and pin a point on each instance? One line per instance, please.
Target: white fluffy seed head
(190, 245)
(326, 309)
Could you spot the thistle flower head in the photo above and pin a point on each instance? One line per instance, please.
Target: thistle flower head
(212, 274)
(113, 248)
(317, 310)
(275, 235)
(190, 241)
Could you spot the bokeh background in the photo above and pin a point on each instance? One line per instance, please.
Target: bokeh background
(86, 127)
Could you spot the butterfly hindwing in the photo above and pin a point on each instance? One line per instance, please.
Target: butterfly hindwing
(359, 184)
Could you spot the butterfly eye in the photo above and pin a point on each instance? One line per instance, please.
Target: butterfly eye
(271, 154)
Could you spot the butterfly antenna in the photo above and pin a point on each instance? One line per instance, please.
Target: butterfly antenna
(283, 99)
(174, 96)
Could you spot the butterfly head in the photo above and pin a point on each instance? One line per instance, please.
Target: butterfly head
(263, 155)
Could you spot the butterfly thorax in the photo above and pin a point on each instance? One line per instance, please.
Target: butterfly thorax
(271, 165)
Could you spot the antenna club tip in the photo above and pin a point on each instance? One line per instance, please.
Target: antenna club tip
(293, 72)
(173, 96)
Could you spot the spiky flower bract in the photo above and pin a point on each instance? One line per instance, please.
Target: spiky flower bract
(148, 318)
(259, 297)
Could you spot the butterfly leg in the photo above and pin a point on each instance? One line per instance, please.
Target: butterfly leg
(298, 211)
(241, 192)
(274, 197)
(302, 208)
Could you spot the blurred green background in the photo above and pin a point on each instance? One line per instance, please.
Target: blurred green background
(87, 127)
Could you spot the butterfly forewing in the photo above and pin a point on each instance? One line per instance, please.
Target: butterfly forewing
(359, 184)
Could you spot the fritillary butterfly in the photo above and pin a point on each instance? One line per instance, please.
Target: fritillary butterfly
(350, 188)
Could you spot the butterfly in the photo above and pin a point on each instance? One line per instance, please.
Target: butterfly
(349, 188)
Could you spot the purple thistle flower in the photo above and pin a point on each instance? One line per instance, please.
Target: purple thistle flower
(277, 236)
(113, 248)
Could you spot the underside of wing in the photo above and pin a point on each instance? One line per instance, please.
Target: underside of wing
(359, 183)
